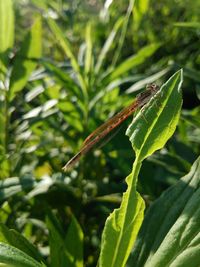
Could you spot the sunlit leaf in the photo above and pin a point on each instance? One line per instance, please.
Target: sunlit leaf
(64, 43)
(88, 56)
(194, 25)
(160, 115)
(169, 235)
(107, 45)
(26, 59)
(122, 225)
(14, 185)
(13, 238)
(13, 257)
(6, 33)
(134, 60)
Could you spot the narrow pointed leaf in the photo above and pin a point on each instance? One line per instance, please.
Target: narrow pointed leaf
(6, 33)
(65, 251)
(64, 43)
(6, 44)
(88, 56)
(26, 59)
(134, 60)
(74, 244)
(108, 43)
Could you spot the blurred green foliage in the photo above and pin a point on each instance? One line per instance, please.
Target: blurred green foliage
(65, 68)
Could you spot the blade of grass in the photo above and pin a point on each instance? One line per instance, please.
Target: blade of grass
(26, 59)
(134, 60)
(6, 34)
(107, 45)
(6, 44)
(68, 51)
(88, 56)
(123, 32)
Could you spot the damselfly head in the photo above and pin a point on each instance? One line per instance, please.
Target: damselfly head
(152, 87)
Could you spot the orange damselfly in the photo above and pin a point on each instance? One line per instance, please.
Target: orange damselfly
(140, 100)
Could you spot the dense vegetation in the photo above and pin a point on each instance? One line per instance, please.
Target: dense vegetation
(65, 68)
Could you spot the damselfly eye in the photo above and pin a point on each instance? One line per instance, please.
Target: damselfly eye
(152, 87)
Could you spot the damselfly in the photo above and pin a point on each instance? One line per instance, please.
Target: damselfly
(140, 100)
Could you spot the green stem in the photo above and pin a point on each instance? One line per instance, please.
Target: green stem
(131, 181)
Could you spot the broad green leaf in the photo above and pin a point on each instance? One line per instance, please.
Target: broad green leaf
(123, 224)
(169, 235)
(13, 257)
(160, 115)
(6, 33)
(15, 239)
(134, 60)
(26, 59)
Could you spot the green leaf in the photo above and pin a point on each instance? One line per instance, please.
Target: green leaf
(14, 185)
(6, 44)
(17, 240)
(65, 251)
(63, 78)
(169, 235)
(140, 8)
(88, 56)
(160, 115)
(26, 59)
(123, 224)
(123, 33)
(194, 25)
(134, 60)
(107, 45)
(6, 33)
(56, 242)
(64, 43)
(74, 244)
(13, 257)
